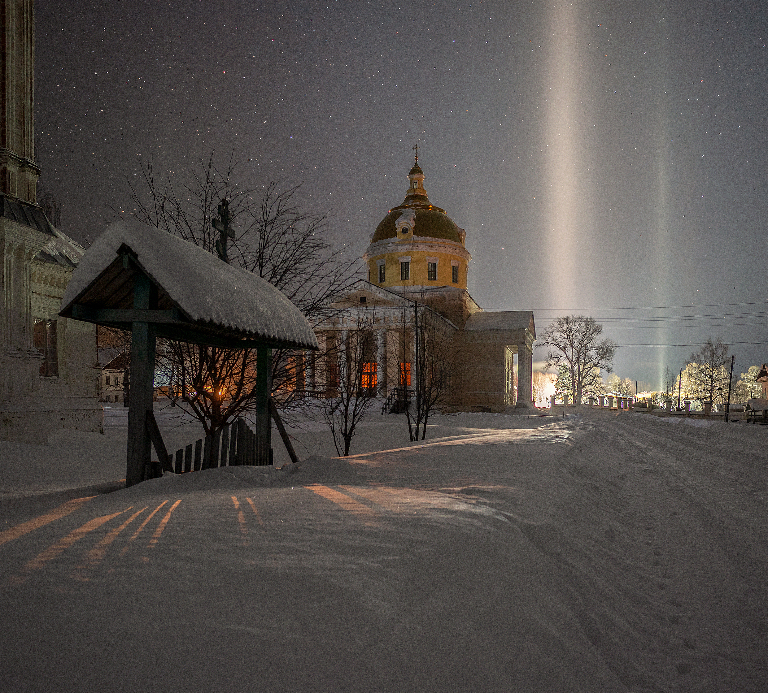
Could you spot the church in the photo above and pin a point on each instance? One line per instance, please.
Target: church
(47, 376)
(417, 266)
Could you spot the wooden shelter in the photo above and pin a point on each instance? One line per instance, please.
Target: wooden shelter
(139, 278)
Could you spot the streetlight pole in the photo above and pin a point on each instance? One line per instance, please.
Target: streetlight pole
(679, 386)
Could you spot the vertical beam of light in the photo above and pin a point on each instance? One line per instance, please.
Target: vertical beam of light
(664, 248)
(560, 153)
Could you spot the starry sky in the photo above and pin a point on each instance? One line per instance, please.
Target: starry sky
(605, 157)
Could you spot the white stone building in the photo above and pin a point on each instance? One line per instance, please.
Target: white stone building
(47, 364)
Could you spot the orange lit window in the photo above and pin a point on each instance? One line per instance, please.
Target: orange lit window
(370, 377)
(405, 374)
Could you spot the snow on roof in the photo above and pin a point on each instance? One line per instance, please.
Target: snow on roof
(207, 291)
(500, 320)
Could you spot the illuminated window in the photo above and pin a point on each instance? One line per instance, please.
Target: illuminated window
(382, 273)
(432, 271)
(405, 374)
(405, 271)
(370, 377)
(455, 274)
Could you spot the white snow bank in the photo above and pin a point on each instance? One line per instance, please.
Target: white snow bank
(602, 552)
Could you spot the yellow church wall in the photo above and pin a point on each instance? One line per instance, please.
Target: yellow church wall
(418, 268)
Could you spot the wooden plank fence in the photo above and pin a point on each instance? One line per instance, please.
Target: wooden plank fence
(235, 444)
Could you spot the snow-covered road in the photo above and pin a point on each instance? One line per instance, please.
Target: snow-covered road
(594, 553)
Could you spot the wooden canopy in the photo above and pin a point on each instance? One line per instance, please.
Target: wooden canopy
(194, 296)
(142, 279)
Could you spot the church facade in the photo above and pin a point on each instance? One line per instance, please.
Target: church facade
(415, 298)
(47, 376)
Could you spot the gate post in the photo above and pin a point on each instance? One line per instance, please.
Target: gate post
(263, 388)
(142, 384)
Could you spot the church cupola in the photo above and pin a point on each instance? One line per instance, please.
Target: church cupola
(416, 182)
(417, 245)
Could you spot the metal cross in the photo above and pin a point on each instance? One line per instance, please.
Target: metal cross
(221, 224)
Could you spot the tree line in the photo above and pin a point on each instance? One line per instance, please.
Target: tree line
(580, 356)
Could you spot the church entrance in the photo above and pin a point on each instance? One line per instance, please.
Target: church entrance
(510, 375)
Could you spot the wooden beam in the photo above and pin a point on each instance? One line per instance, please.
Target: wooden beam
(283, 433)
(263, 388)
(125, 315)
(157, 440)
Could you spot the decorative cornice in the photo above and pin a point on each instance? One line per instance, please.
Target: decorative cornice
(417, 243)
(6, 155)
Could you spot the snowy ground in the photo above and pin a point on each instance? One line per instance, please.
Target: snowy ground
(597, 552)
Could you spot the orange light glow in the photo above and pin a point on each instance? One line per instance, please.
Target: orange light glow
(163, 523)
(37, 522)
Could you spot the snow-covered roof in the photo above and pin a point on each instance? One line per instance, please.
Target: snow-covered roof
(500, 320)
(210, 296)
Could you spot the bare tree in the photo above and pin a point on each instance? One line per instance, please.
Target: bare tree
(706, 373)
(573, 344)
(274, 239)
(433, 364)
(353, 357)
(747, 386)
(670, 382)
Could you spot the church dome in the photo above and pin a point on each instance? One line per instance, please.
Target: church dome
(424, 219)
(431, 222)
(417, 245)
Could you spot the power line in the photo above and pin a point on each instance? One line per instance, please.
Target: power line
(690, 305)
(697, 344)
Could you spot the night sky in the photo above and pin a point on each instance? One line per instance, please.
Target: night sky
(605, 158)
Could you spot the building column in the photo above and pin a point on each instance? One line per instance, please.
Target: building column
(20, 361)
(524, 376)
(381, 361)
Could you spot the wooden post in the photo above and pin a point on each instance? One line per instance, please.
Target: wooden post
(142, 385)
(207, 451)
(263, 387)
(224, 446)
(283, 433)
(166, 460)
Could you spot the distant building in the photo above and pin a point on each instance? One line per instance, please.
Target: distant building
(47, 364)
(113, 377)
(418, 264)
(762, 378)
